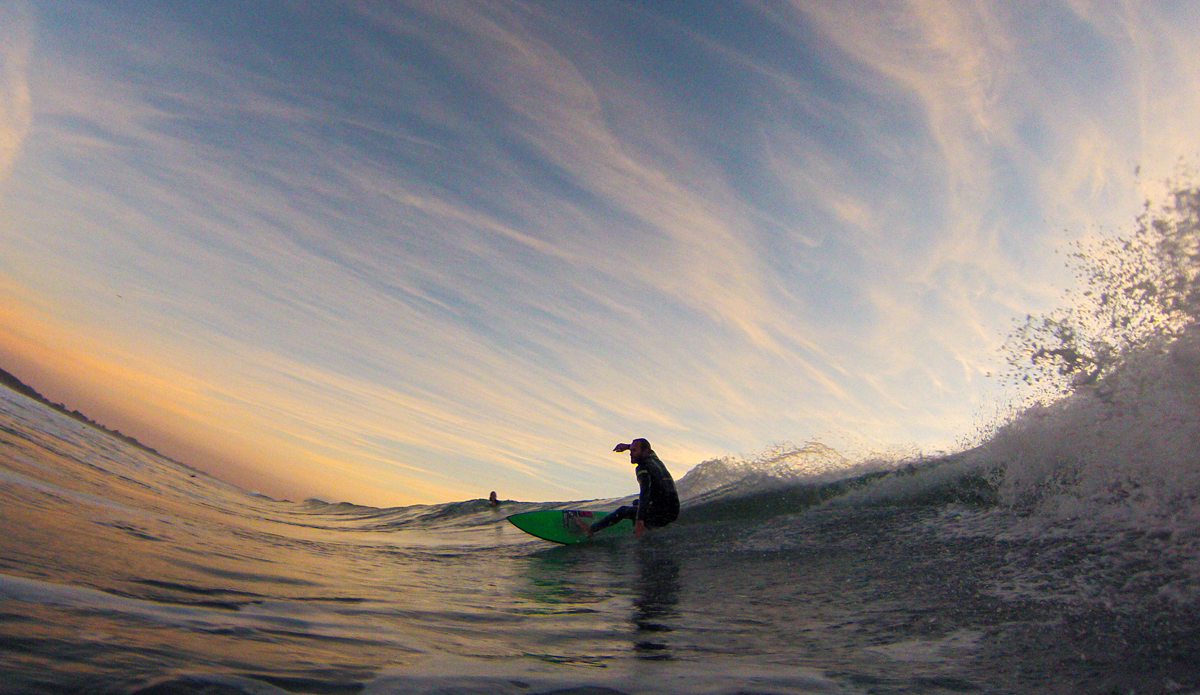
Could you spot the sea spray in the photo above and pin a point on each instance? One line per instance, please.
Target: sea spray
(779, 467)
(1126, 451)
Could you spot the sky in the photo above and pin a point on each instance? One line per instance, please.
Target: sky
(412, 252)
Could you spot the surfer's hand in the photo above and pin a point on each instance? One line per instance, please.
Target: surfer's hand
(621, 447)
(639, 527)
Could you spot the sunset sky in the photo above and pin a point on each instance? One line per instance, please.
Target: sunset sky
(394, 252)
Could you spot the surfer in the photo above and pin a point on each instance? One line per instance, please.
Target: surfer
(658, 503)
(492, 501)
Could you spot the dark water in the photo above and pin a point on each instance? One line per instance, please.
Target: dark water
(1061, 556)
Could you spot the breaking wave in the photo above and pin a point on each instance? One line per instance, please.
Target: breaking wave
(1125, 454)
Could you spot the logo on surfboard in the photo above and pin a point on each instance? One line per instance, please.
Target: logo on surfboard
(574, 520)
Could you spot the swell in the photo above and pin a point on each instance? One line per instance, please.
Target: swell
(1123, 455)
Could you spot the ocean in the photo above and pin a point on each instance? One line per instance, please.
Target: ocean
(1061, 554)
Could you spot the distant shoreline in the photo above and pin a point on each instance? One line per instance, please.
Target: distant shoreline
(12, 382)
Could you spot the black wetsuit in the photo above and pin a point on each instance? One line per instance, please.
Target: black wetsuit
(658, 503)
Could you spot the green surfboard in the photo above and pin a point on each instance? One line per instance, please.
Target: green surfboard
(563, 525)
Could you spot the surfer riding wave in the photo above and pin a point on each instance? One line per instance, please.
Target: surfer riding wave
(658, 503)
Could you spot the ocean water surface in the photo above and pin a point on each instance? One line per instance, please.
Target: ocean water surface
(1061, 555)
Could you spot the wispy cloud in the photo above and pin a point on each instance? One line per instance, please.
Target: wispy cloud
(412, 251)
(14, 91)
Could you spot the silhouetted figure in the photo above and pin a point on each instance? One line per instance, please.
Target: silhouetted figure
(658, 503)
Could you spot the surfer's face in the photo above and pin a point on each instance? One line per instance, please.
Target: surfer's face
(635, 452)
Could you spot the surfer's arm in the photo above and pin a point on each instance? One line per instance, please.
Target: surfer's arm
(644, 497)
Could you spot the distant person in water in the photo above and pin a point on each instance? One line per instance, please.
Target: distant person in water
(658, 503)
(492, 501)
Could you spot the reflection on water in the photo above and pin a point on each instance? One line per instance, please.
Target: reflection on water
(655, 599)
(592, 584)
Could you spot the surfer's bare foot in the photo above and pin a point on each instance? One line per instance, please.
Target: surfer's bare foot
(584, 527)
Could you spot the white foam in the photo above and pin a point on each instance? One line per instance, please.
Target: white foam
(1126, 454)
(781, 466)
(949, 648)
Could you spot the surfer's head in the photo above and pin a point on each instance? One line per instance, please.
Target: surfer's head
(639, 448)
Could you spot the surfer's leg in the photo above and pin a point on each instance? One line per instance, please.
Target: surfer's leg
(621, 514)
